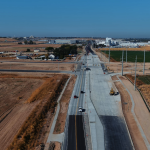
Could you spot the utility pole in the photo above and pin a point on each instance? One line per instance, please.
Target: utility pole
(58, 65)
(105, 55)
(109, 55)
(122, 62)
(126, 55)
(101, 53)
(135, 74)
(144, 63)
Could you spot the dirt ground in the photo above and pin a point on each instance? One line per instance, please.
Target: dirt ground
(57, 146)
(13, 112)
(36, 66)
(64, 103)
(15, 46)
(116, 67)
(133, 128)
(7, 39)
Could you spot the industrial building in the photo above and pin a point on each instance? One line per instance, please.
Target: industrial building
(36, 50)
(64, 41)
(23, 57)
(119, 43)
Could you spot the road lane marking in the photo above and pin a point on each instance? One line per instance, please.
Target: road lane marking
(76, 110)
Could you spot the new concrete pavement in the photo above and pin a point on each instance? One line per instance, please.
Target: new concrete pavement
(108, 128)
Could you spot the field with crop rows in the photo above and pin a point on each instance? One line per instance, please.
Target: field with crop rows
(117, 55)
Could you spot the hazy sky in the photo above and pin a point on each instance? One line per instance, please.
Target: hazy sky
(111, 18)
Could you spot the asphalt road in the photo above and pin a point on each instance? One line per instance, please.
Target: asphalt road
(47, 71)
(74, 134)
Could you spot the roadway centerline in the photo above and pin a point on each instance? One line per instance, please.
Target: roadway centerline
(77, 108)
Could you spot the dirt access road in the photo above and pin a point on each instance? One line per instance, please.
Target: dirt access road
(140, 110)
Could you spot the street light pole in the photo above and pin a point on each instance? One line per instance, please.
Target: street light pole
(109, 55)
(135, 74)
(101, 53)
(122, 62)
(144, 63)
(126, 55)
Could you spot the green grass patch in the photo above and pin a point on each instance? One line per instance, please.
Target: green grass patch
(145, 79)
(117, 55)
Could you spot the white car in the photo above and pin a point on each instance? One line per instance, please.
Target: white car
(80, 107)
(80, 110)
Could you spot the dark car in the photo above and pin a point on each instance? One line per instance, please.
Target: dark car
(88, 69)
(82, 92)
(75, 96)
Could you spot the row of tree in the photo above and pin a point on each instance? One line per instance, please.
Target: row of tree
(63, 51)
(29, 42)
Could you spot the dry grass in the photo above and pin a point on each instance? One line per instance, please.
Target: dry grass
(138, 82)
(7, 39)
(26, 138)
(42, 91)
(13, 47)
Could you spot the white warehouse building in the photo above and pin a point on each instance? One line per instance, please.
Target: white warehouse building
(64, 41)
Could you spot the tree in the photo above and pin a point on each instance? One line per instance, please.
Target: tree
(30, 42)
(49, 49)
(28, 50)
(25, 42)
(46, 56)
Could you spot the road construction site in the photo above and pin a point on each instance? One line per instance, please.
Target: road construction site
(109, 121)
(104, 111)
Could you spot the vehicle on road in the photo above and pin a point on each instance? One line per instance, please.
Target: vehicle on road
(112, 92)
(82, 92)
(75, 96)
(88, 69)
(80, 110)
(80, 107)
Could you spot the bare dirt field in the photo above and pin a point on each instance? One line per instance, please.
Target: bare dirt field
(7, 39)
(16, 46)
(13, 112)
(64, 103)
(116, 67)
(36, 66)
(133, 128)
(21, 96)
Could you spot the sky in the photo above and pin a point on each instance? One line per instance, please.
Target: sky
(75, 18)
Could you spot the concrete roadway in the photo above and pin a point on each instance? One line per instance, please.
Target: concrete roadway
(113, 126)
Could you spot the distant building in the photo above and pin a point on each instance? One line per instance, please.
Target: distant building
(32, 37)
(52, 42)
(51, 56)
(60, 41)
(23, 57)
(36, 50)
